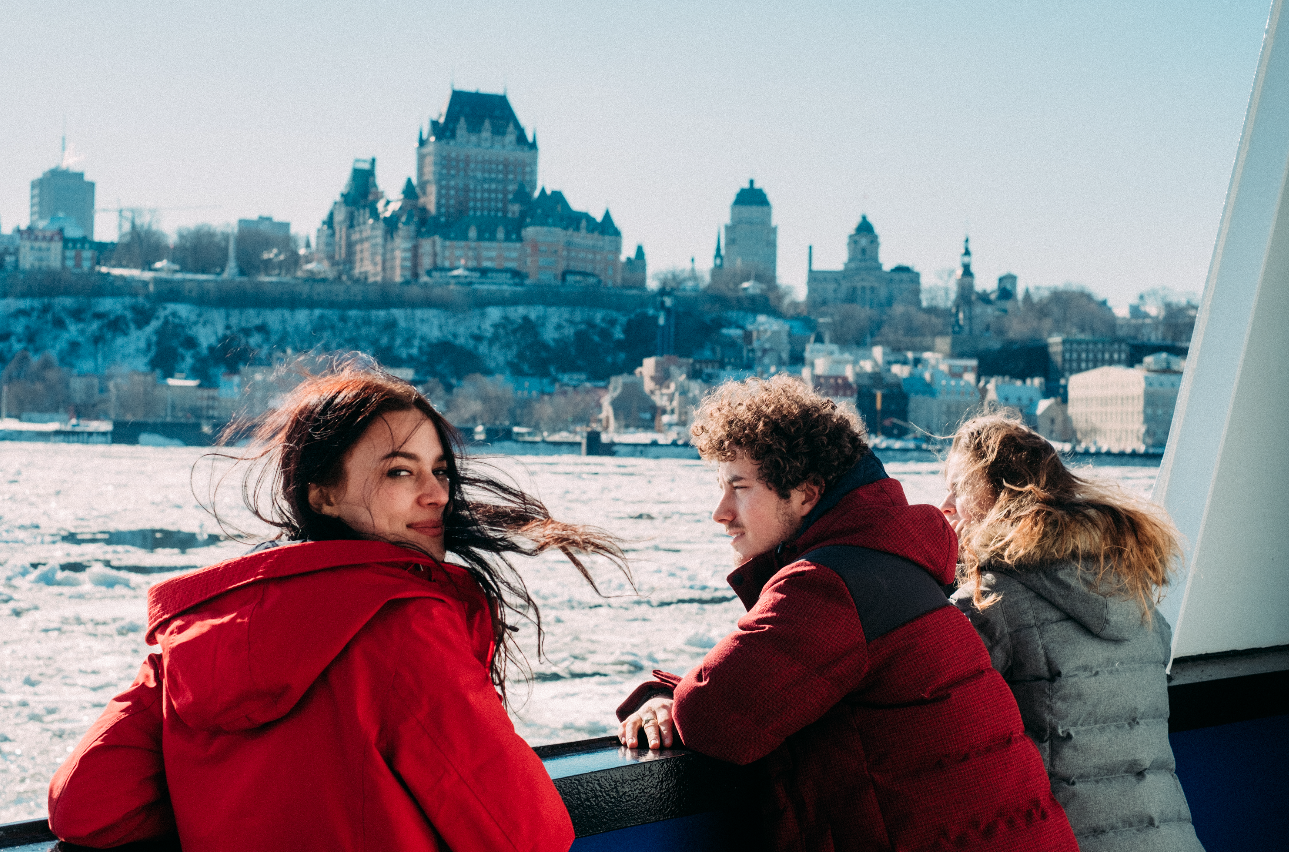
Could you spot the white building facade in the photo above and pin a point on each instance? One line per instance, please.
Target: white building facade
(1123, 409)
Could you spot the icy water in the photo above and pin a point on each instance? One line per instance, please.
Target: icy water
(71, 639)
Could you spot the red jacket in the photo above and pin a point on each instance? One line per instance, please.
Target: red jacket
(328, 695)
(870, 702)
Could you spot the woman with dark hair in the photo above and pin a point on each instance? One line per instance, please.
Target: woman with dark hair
(338, 690)
(1060, 576)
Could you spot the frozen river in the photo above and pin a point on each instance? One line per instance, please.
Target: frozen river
(71, 639)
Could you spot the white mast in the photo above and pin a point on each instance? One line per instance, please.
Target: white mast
(1226, 470)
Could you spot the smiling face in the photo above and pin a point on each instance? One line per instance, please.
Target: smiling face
(394, 483)
(752, 513)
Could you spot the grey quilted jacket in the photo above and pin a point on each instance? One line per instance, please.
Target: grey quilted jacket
(1089, 678)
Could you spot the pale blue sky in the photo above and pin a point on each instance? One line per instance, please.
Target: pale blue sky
(1089, 142)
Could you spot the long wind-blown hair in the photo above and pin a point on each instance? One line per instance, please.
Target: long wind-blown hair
(486, 518)
(1031, 510)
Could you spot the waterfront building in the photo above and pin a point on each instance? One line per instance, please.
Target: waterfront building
(626, 406)
(635, 273)
(52, 249)
(1052, 421)
(471, 210)
(1070, 355)
(670, 383)
(751, 242)
(941, 393)
(882, 402)
(769, 342)
(1124, 409)
(1021, 397)
(62, 192)
(863, 281)
(9, 249)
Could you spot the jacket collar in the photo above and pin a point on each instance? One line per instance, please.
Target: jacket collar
(748, 579)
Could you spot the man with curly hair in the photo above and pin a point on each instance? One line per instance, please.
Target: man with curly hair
(868, 701)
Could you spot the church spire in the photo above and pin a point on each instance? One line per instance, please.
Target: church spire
(718, 260)
(966, 256)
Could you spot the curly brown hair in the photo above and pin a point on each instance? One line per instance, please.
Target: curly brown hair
(793, 434)
(1033, 510)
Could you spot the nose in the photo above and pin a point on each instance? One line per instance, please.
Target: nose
(949, 505)
(434, 492)
(724, 513)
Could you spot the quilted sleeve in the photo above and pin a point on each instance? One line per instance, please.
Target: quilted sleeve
(991, 625)
(795, 654)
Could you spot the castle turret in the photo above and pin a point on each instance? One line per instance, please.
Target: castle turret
(751, 238)
(862, 247)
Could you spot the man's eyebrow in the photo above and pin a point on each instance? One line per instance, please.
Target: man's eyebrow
(734, 477)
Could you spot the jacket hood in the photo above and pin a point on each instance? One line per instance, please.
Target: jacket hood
(865, 508)
(242, 640)
(1065, 586)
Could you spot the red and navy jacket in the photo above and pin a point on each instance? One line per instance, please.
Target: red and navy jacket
(869, 702)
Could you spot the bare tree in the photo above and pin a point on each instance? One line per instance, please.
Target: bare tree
(1068, 311)
(679, 278)
(567, 408)
(34, 385)
(261, 253)
(480, 400)
(201, 249)
(141, 246)
(941, 293)
(850, 325)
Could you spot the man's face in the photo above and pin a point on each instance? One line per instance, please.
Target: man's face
(758, 518)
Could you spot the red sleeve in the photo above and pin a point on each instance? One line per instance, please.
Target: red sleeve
(450, 740)
(664, 684)
(112, 790)
(795, 654)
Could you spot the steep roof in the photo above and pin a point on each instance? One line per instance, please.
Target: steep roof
(552, 210)
(362, 181)
(521, 196)
(409, 191)
(476, 108)
(751, 196)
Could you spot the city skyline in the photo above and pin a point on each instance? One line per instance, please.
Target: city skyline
(1090, 145)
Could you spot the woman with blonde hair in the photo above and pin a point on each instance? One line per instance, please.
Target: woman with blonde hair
(1060, 575)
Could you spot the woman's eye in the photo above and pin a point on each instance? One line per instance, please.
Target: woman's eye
(441, 473)
(398, 471)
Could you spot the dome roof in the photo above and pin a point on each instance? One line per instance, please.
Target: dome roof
(864, 226)
(751, 196)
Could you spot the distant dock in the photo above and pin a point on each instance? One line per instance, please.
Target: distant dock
(66, 432)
